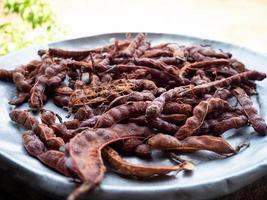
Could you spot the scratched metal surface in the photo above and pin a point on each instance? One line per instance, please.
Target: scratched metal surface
(213, 176)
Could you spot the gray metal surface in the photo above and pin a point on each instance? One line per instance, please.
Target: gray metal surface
(213, 176)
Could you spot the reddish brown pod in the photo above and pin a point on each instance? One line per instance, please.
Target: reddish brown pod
(23, 118)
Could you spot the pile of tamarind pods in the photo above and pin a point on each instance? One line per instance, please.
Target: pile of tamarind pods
(167, 97)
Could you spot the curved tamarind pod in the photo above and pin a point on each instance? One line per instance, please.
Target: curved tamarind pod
(56, 80)
(257, 122)
(134, 44)
(37, 92)
(143, 150)
(199, 113)
(63, 91)
(174, 107)
(32, 143)
(55, 143)
(23, 118)
(48, 117)
(121, 112)
(20, 99)
(192, 144)
(222, 93)
(219, 126)
(85, 153)
(56, 160)
(134, 96)
(162, 125)
(138, 170)
(56, 52)
(6, 75)
(209, 63)
(232, 80)
(61, 130)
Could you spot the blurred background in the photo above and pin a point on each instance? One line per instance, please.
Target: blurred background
(31, 22)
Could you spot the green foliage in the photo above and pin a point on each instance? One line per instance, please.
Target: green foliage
(33, 23)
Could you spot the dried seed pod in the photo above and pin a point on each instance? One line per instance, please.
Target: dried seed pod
(91, 122)
(135, 43)
(162, 125)
(192, 144)
(141, 171)
(121, 112)
(257, 122)
(6, 75)
(72, 124)
(37, 92)
(32, 143)
(173, 107)
(20, 99)
(140, 120)
(43, 132)
(83, 113)
(55, 52)
(86, 158)
(48, 117)
(23, 118)
(199, 113)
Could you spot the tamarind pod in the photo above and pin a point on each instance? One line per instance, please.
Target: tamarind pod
(162, 125)
(63, 91)
(143, 150)
(43, 132)
(171, 61)
(20, 99)
(72, 124)
(137, 74)
(174, 107)
(170, 70)
(22, 84)
(6, 75)
(56, 80)
(60, 130)
(232, 80)
(222, 93)
(85, 153)
(257, 122)
(219, 126)
(156, 107)
(56, 52)
(122, 60)
(37, 92)
(23, 118)
(56, 160)
(138, 170)
(174, 118)
(74, 64)
(157, 53)
(61, 100)
(134, 96)
(200, 53)
(121, 112)
(48, 117)
(192, 144)
(134, 44)
(32, 143)
(130, 144)
(141, 49)
(84, 112)
(222, 70)
(140, 120)
(199, 113)
(54, 143)
(237, 65)
(198, 80)
(187, 67)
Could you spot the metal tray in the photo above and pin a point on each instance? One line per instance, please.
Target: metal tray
(214, 176)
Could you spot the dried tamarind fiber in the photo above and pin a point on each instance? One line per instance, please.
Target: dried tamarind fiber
(257, 122)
